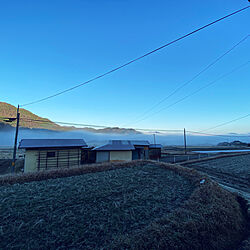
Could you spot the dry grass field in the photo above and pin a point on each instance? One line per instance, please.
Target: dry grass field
(135, 205)
(233, 171)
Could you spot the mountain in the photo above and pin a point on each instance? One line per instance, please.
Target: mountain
(32, 121)
(234, 143)
(114, 130)
(27, 119)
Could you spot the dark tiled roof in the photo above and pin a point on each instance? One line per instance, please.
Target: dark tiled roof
(52, 143)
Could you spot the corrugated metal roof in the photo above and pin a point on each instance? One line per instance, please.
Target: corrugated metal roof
(122, 145)
(116, 145)
(133, 142)
(155, 146)
(51, 143)
(140, 142)
(119, 142)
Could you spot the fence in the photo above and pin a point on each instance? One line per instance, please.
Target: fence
(170, 158)
(7, 153)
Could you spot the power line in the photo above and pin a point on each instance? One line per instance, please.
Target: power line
(192, 79)
(138, 129)
(91, 125)
(227, 136)
(97, 126)
(65, 123)
(226, 123)
(136, 59)
(195, 92)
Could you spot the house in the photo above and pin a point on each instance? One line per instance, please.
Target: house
(155, 151)
(116, 150)
(122, 150)
(42, 154)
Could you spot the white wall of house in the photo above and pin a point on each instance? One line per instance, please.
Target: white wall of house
(120, 155)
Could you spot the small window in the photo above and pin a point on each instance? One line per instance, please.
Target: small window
(51, 154)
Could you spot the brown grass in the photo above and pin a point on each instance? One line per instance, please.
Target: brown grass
(90, 168)
(66, 172)
(212, 218)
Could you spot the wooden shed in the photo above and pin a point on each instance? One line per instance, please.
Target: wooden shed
(88, 155)
(155, 151)
(141, 149)
(42, 154)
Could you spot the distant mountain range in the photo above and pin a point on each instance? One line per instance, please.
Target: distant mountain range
(32, 121)
(234, 143)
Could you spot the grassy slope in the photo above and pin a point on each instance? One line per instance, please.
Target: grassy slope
(88, 210)
(233, 171)
(7, 110)
(141, 203)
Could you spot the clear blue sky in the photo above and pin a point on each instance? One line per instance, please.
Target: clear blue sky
(47, 46)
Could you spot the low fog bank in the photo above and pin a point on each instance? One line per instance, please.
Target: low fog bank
(95, 139)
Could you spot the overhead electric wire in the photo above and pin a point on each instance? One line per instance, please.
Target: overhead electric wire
(226, 123)
(193, 93)
(136, 59)
(138, 129)
(228, 136)
(66, 123)
(97, 126)
(192, 79)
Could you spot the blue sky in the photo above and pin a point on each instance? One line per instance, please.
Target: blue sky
(48, 46)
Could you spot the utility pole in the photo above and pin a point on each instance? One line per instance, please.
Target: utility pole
(15, 143)
(185, 141)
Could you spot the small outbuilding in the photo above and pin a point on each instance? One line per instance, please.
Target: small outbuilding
(88, 155)
(141, 149)
(42, 154)
(155, 151)
(122, 150)
(115, 150)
